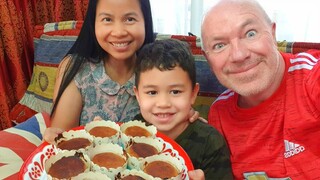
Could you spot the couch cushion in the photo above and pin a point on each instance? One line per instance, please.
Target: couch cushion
(51, 43)
(49, 53)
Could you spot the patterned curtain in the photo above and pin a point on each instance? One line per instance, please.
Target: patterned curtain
(17, 20)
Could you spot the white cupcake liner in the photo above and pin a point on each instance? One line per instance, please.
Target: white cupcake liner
(134, 162)
(68, 135)
(103, 123)
(165, 158)
(107, 148)
(152, 130)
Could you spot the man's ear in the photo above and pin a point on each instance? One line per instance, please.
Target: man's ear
(273, 30)
(195, 93)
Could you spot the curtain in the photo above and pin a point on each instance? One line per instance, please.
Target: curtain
(296, 20)
(17, 20)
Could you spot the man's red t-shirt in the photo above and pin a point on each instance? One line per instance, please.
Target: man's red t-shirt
(281, 136)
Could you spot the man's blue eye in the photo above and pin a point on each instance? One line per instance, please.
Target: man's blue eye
(218, 46)
(251, 33)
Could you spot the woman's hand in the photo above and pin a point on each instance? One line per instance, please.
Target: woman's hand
(51, 133)
(197, 174)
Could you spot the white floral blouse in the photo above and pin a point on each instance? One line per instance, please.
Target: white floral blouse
(104, 97)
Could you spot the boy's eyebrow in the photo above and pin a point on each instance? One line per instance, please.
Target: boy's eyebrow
(173, 85)
(177, 85)
(148, 86)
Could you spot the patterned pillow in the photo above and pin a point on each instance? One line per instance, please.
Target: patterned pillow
(51, 41)
(17, 143)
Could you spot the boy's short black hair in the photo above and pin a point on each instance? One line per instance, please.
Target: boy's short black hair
(166, 55)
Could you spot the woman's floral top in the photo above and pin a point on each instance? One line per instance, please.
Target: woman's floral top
(104, 97)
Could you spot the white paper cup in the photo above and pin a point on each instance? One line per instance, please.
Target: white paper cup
(103, 131)
(162, 166)
(102, 162)
(142, 147)
(78, 140)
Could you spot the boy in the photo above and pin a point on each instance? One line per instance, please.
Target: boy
(166, 88)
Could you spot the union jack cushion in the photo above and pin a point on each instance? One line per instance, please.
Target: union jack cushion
(17, 143)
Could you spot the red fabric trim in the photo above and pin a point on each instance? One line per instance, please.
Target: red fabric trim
(46, 64)
(298, 47)
(184, 38)
(21, 113)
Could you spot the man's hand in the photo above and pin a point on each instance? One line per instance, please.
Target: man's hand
(194, 115)
(197, 174)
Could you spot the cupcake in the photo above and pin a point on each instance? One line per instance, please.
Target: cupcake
(133, 174)
(137, 128)
(73, 140)
(108, 159)
(141, 147)
(103, 131)
(162, 166)
(67, 164)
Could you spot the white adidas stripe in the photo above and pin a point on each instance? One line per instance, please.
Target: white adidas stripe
(309, 56)
(302, 60)
(300, 66)
(224, 96)
(307, 62)
(226, 92)
(290, 145)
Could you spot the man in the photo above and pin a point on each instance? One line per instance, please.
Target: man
(270, 114)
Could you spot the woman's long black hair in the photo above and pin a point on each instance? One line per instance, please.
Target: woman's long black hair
(87, 48)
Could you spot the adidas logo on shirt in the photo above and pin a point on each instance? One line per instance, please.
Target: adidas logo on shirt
(292, 149)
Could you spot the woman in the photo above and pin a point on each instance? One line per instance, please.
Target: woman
(96, 78)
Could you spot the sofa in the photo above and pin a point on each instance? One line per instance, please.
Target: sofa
(31, 114)
(53, 40)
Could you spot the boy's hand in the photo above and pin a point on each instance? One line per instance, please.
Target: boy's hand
(197, 174)
(51, 133)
